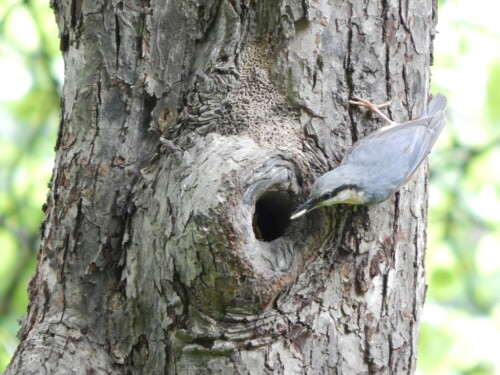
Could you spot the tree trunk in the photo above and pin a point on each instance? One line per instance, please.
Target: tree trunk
(189, 132)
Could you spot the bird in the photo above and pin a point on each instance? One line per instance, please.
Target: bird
(381, 163)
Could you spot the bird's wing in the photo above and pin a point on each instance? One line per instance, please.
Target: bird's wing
(423, 141)
(438, 103)
(404, 146)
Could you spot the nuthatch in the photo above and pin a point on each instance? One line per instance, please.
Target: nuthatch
(378, 165)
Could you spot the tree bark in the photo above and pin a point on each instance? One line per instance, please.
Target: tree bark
(189, 132)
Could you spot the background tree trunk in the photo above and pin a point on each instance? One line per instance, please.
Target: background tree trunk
(189, 132)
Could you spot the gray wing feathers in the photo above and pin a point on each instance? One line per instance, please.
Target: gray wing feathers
(423, 141)
(436, 125)
(438, 103)
(407, 138)
(413, 138)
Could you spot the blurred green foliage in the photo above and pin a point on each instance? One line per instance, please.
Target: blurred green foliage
(461, 326)
(29, 111)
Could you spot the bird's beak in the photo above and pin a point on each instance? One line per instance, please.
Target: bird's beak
(303, 209)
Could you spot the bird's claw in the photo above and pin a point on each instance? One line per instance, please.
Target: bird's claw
(369, 105)
(373, 107)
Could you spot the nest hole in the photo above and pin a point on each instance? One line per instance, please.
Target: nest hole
(272, 215)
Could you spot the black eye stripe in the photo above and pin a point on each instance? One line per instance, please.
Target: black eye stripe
(341, 188)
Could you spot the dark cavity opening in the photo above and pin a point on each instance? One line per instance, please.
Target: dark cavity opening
(272, 215)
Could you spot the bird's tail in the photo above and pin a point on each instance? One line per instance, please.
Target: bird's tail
(437, 104)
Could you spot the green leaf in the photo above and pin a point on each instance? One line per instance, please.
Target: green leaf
(493, 92)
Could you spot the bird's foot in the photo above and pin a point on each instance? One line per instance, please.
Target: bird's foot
(373, 108)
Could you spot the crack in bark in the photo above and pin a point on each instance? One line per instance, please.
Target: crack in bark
(117, 42)
(350, 81)
(407, 92)
(60, 129)
(402, 19)
(63, 267)
(76, 12)
(388, 86)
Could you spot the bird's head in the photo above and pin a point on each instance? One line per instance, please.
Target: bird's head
(331, 188)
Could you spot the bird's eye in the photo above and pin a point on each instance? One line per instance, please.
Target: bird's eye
(326, 196)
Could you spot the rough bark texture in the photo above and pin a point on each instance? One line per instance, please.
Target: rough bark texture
(189, 132)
